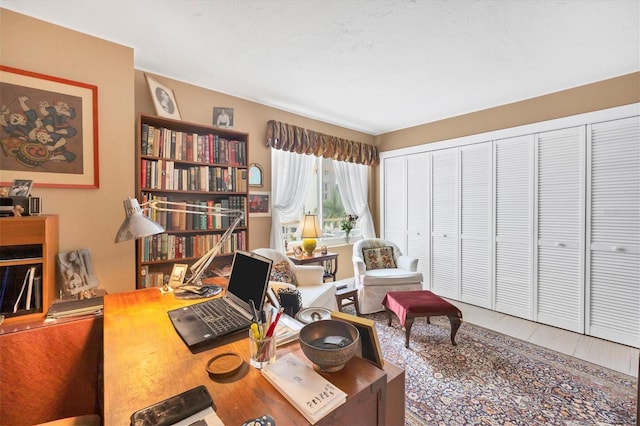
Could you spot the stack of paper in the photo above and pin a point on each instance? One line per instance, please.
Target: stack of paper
(287, 330)
(71, 308)
(311, 394)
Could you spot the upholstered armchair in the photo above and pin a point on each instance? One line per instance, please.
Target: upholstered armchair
(307, 279)
(379, 267)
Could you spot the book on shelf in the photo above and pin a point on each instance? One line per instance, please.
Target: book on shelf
(27, 285)
(309, 392)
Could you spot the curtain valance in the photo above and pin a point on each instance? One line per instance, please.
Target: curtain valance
(288, 137)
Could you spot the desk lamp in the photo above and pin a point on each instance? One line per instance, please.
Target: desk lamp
(137, 225)
(310, 231)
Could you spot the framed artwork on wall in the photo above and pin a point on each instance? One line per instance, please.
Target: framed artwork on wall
(259, 204)
(223, 117)
(164, 101)
(49, 130)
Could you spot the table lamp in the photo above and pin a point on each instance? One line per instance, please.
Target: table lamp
(137, 225)
(310, 231)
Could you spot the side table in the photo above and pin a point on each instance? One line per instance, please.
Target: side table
(347, 296)
(329, 261)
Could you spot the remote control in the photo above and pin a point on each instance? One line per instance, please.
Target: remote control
(265, 420)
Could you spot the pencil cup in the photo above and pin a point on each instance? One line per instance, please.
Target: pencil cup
(261, 350)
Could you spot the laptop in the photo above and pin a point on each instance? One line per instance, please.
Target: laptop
(248, 282)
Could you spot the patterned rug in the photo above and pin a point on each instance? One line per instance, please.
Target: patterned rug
(494, 379)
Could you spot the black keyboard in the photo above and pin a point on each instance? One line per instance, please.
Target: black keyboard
(220, 317)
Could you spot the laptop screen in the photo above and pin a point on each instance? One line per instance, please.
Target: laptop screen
(249, 279)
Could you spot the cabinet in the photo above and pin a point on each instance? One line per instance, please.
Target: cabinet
(191, 164)
(28, 246)
(538, 222)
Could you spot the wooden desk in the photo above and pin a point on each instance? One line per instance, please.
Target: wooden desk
(145, 361)
(329, 261)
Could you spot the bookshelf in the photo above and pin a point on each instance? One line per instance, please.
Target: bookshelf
(27, 243)
(188, 163)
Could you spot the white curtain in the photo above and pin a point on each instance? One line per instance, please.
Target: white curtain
(290, 176)
(353, 182)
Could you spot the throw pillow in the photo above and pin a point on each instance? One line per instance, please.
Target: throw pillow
(282, 273)
(379, 258)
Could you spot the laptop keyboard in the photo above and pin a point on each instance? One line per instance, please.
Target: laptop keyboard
(220, 317)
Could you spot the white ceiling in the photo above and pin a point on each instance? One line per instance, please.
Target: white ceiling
(369, 65)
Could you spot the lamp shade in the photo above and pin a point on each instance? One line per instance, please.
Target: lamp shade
(136, 225)
(311, 227)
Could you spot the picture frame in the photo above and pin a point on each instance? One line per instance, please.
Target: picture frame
(76, 274)
(223, 117)
(48, 128)
(259, 204)
(20, 188)
(178, 272)
(370, 345)
(163, 99)
(255, 175)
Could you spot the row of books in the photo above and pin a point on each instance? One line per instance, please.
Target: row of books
(163, 174)
(20, 289)
(172, 247)
(183, 221)
(188, 146)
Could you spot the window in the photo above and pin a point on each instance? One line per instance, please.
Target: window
(322, 199)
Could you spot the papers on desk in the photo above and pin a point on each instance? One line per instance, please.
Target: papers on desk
(312, 395)
(287, 330)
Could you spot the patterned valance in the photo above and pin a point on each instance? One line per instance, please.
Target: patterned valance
(288, 137)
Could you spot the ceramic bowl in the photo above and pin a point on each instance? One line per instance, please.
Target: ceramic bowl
(329, 344)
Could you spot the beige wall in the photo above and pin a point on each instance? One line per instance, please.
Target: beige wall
(89, 218)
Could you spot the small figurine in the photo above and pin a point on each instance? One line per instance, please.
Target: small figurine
(4, 192)
(17, 210)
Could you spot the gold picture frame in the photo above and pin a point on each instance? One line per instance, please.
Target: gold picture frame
(164, 101)
(369, 343)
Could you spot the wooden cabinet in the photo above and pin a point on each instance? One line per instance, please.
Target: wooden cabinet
(28, 246)
(191, 164)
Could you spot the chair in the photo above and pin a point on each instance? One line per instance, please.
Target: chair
(379, 266)
(313, 290)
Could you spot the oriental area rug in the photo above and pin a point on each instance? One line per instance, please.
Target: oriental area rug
(494, 379)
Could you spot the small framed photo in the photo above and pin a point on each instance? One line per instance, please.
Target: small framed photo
(76, 274)
(259, 204)
(370, 346)
(223, 117)
(20, 188)
(163, 99)
(177, 274)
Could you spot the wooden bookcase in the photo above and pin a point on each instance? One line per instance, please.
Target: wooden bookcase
(188, 163)
(25, 242)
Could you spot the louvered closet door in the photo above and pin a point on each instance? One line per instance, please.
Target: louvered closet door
(395, 204)
(613, 272)
(418, 210)
(476, 209)
(513, 224)
(560, 227)
(444, 228)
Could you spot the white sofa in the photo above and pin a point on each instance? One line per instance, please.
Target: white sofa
(313, 290)
(373, 284)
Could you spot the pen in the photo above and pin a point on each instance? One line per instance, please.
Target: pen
(272, 327)
(253, 311)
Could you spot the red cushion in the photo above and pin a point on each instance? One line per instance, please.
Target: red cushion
(418, 302)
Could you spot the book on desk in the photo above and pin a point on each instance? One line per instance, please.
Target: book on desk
(309, 392)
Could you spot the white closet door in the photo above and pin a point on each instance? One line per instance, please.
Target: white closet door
(560, 210)
(476, 209)
(613, 270)
(513, 226)
(418, 210)
(395, 204)
(444, 228)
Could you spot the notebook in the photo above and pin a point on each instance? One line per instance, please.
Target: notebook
(248, 281)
